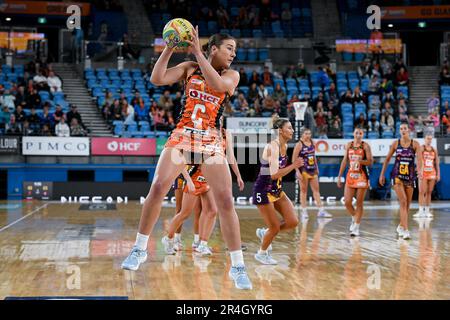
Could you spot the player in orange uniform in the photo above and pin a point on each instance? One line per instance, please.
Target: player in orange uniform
(429, 175)
(359, 156)
(208, 83)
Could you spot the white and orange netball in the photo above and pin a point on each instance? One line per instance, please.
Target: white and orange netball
(176, 32)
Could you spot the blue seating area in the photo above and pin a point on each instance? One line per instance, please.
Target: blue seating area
(301, 24)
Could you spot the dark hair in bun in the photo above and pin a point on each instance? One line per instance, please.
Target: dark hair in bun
(216, 40)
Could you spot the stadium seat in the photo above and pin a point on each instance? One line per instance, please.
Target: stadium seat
(263, 54)
(373, 135)
(241, 54)
(257, 33)
(252, 54)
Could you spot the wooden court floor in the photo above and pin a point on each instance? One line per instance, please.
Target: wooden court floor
(54, 249)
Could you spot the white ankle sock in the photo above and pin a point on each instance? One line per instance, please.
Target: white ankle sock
(141, 241)
(237, 258)
(204, 243)
(261, 251)
(196, 238)
(421, 208)
(177, 236)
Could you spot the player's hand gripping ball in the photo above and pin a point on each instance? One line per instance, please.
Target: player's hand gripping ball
(176, 32)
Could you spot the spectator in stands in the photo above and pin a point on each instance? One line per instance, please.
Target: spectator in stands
(387, 121)
(127, 112)
(332, 93)
(324, 80)
(13, 127)
(222, 17)
(34, 120)
(419, 126)
(321, 121)
(5, 116)
(361, 122)
(433, 103)
(62, 129)
(290, 72)
(47, 118)
(386, 69)
(267, 77)
(127, 50)
(253, 93)
(54, 82)
(109, 97)
(262, 92)
(140, 111)
(434, 120)
(386, 86)
(7, 99)
(375, 71)
(76, 130)
(374, 124)
(279, 95)
(20, 114)
(347, 97)
(363, 69)
(40, 81)
(228, 110)
(26, 129)
(402, 77)
(445, 107)
(20, 96)
(254, 78)
(165, 101)
(107, 112)
(58, 115)
(243, 81)
(388, 108)
(45, 131)
(241, 104)
(73, 113)
(335, 130)
(320, 99)
(446, 122)
(116, 111)
(301, 71)
(306, 97)
(332, 110)
(444, 77)
(374, 85)
(357, 96)
(398, 65)
(268, 105)
(34, 99)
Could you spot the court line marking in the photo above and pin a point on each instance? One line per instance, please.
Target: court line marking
(24, 217)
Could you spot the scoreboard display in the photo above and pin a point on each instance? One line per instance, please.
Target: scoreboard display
(37, 190)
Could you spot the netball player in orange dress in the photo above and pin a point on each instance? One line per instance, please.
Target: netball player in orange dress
(430, 175)
(208, 84)
(359, 156)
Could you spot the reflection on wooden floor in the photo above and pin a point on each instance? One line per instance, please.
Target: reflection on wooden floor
(59, 250)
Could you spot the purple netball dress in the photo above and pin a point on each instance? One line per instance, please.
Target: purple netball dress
(266, 190)
(404, 170)
(308, 154)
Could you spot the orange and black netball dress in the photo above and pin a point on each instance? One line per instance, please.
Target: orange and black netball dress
(197, 129)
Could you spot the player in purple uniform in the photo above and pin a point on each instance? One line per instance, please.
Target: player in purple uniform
(403, 174)
(268, 194)
(309, 173)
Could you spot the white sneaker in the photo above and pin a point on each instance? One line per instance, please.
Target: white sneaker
(353, 224)
(420, 213)
(195, 244)
(260, 232)
(427, 213)
(355, 230)
(406, 235)
(178, 245)
(324, 214)
(203, 250)
(265, 258)
(168, 245)
(400, 230)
